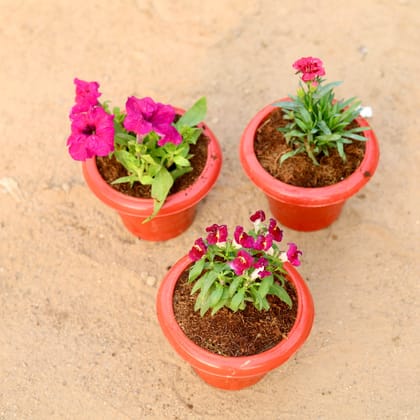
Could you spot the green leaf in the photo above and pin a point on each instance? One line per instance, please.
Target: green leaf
(323, 90)
(129, 161)
(288, 105)
(291, 153)
(208, 279)
(197, 285)
(265, 285)
(234, 285)
(194, 115)
(340, 149)
(324, 127)
(181, 161)
(256, 298)
(355, 136)
(215, 295)
(124, 179)
(237, 300)
(281, 293)
(146, 180)
(161, 185)
(196, 269)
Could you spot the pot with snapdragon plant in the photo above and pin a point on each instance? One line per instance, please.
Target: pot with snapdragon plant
(151, 162)
(235, 307)
(309, 152)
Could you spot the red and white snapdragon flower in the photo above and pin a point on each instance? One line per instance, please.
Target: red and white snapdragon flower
(229, 272)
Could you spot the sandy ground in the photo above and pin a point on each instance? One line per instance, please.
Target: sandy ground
(79, 338)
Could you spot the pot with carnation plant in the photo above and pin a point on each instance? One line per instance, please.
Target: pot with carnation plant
(236, 308)
(151, 162)
(309, 153)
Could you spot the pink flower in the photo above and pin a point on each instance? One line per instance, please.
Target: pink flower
(242, 262)
(258, 216)
(261, 263)
(87, 95)
(275, 231)
(260, 271)
(242, 238)
(198, 250)
(263, 243)
(310, 68)
(145, 115)
(293, 254)
(92, 134)
(217, 234)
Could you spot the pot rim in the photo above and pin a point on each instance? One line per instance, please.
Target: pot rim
(240, 366)
(174, 203)
(315, 197)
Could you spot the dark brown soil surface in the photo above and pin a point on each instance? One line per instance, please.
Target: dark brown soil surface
(228, 333)
(111, 169)
(299, 170)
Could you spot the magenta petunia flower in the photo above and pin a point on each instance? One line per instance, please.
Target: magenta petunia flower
(145, 115)
(216, 234)
(92, 134)
(293, 254)
(258, 216)
(242, 238)
(274, 230)
(87, 95)
(310, 68)
(198, 250)
(242, 262)
(263, 243)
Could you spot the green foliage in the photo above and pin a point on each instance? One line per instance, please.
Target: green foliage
(317, 122)
(150, 164)
(217, 283)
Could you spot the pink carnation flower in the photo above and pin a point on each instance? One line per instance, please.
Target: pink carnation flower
(145, 115)
(92, 134)
(310, 68)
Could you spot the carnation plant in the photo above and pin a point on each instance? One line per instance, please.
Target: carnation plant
(317, 121)
(230, 272)
(145, 138)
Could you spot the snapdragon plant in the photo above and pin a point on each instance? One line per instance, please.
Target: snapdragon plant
(230, 272)
(318, 122)
(145, 138)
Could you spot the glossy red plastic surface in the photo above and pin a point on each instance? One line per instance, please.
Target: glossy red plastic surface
(232, 373)
(305, 209)
(178, 212)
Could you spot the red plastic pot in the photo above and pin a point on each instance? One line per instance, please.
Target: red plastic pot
(179, 209)
(232, 373)
(299, 208)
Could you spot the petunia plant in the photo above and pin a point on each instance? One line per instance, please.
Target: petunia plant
(146, 138)
(230, 272)
(317, 121)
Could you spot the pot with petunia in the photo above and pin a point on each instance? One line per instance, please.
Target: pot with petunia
(236, 307)
(151, 162)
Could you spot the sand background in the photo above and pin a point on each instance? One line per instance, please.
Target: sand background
(79, 338)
